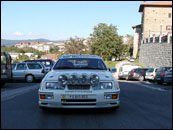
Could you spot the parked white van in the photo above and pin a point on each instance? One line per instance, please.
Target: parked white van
(125, 69)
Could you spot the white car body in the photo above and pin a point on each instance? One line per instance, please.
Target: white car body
(131, 59)
(125, 69)
(151, 75)
(79, 96)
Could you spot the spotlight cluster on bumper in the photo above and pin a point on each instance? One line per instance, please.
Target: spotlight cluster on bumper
(79, 91)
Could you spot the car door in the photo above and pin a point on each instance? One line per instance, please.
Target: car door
(35, 69)
(20, 71)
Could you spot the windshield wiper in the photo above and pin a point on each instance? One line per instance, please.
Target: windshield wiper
(63, 68)
(79, 68)
(92, 68)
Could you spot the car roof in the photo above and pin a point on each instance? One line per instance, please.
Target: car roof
(27, 63)
(39, 60)
(79, 56)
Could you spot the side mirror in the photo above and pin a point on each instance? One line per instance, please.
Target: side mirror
(112, 70)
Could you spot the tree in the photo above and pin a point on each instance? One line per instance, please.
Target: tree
(130, 45)
(105, 41)
(54, 50)
(75, 46)
(21, 58)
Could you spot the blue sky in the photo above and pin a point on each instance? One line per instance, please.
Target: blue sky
(59, 20)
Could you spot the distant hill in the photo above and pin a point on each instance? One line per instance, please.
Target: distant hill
(7, 42)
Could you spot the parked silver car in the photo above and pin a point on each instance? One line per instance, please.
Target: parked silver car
(168, 77)
(150, 74)
(28, 71)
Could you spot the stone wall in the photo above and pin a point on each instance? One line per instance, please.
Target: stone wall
(155, 54)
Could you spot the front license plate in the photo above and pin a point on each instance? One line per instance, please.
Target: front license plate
(78, 96)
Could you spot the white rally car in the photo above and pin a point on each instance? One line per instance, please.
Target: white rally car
(79, 81)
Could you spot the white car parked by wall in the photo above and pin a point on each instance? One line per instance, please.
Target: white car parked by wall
(125, 69)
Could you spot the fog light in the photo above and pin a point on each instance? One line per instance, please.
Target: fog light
(42, 96)
(46, 96)
(114, 96)
(49, 97)
(108, 96)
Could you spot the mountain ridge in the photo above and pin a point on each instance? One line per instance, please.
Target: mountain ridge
(7, 42)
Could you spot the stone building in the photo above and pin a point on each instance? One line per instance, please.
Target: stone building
(156, 21)
(156, 34)
(156, 18)
(136, 40)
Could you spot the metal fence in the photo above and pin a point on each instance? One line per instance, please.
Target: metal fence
(159, 39)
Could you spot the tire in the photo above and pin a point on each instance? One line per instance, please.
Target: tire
(114, 108)
(141, 78)
(29, 78)
(119, 78)
(43, 108)
(168, 83)
(2, 83)
(159, 82)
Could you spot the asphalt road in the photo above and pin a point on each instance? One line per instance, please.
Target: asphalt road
(143, 106)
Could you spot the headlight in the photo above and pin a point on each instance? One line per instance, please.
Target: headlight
(94, 79)
(83, 79)
(73, 79)
(53, 85)
(62, 79)
(103, 85)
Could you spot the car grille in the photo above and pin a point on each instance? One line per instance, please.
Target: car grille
(78, 102)
(78, 87)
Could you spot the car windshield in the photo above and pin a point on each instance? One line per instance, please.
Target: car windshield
(133, 70)
(80, 63)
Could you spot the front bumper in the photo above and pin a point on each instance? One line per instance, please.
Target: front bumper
(95, 100)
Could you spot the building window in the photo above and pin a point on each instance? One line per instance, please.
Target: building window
(169, 15)
(169, 27)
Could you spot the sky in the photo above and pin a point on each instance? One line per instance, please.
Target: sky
(60, 20)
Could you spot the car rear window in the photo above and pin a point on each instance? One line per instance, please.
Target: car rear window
(46, 63)
(34, 66)
(133, 70)
(150, 70)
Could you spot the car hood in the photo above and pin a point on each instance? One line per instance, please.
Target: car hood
(54, 74)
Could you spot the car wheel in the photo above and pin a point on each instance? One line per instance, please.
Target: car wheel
(2, 83)
(141, 78)
(43, 108)
(29, 78)
(168, 83)
(158, 82)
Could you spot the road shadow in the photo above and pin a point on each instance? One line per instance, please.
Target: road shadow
(83, 111)
(18, 84)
